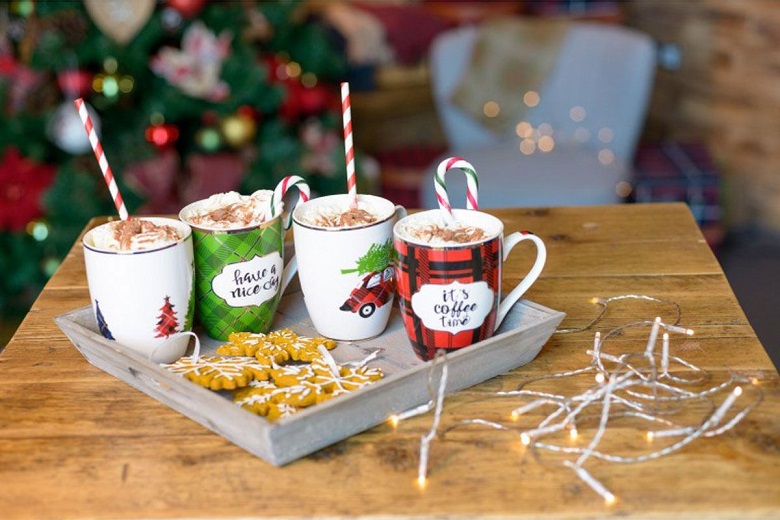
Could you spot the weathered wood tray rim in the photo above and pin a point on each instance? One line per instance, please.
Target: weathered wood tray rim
(313, 428)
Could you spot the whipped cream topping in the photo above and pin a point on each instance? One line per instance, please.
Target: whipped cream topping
(455, 234)
(231, 210)
(430, 228)
(342, 216)
(133, 235)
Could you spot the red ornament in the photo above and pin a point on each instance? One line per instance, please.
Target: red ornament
(212, 173)
(315, 99)
(300, 101)
(275, 68)
(187, 8)
(210, 118)
(74, 83)
(22, 183)
(162, 136)
(155, 180)
(248, 111)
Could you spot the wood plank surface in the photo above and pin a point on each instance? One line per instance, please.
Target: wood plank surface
(77, 443)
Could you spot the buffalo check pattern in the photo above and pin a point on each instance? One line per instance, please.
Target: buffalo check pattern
(420, 265)
(213, 251)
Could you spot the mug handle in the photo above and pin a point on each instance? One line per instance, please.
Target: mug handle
(288, 272)
(400, 212)
(541, 257)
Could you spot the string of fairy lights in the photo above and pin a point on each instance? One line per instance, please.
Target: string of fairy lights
(640, 385)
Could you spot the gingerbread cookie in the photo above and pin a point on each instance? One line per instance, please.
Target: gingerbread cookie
(219, 373)
(256, 397)
(276, 374)
(242, 344)
(300, 348)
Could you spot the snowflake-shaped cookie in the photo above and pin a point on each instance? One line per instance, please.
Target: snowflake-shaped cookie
(242, 344)
(219, 373)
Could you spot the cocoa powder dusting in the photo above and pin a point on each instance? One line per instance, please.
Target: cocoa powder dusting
(351, 217)
(232, 214)
(143, 231)
(458, 235)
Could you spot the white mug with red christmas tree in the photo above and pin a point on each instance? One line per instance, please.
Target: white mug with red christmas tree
(345, 263)
(140, 273)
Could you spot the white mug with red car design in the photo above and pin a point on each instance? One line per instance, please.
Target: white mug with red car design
(346, 273)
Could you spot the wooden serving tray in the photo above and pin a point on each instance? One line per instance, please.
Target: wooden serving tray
(525, 330)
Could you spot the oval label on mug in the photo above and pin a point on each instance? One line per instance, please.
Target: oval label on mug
(249, 283)
(454, 307)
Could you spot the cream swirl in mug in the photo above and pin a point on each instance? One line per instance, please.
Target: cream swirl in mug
(133, 235)
(343, 216)
(231, 210)
(430, 229)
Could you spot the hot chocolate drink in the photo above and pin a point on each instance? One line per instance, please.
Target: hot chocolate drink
(455, 234)
(430, 229)
(133, 235)
(337, 216)
(230, 210)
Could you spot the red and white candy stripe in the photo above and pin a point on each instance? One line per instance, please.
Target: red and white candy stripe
(281, 190)
(349, 151)
(472, 185)
(108, 175)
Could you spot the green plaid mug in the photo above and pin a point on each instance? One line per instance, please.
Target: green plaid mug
(239, 276)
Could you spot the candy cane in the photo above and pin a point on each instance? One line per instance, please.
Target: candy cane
(472, 185)
(281, 190)
(349, 151)
(108, 175)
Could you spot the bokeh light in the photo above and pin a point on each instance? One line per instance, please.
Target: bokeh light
(582, 135)
(531, 98)
(524, 129)
(491, 109)
(308, 79)
(623, 189)
(577, 114)
(606, 156)
(527, 146)
(546, 143)
(293, 69)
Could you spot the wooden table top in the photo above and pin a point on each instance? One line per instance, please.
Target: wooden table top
(76, 442)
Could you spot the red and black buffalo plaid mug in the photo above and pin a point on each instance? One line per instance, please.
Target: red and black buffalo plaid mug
(450, 293)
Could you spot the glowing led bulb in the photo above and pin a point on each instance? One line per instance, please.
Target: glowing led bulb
(421, 482)
(600, 378)
(609, 498)
(573, 434)
(393, 420)
(525, 439)
(515, 415)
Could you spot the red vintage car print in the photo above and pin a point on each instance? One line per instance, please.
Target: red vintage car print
(373, 291)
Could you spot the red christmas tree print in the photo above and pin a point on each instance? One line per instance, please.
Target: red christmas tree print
(167, 323)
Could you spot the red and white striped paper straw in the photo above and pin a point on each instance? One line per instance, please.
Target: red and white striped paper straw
(108, 175)
(349, 151)
(282, 188)
(472, 185)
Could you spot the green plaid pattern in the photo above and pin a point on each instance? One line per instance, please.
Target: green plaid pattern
(213, 251)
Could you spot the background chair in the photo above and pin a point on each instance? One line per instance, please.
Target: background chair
(592, 103)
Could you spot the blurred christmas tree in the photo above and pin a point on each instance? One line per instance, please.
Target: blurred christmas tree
(190, 98)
